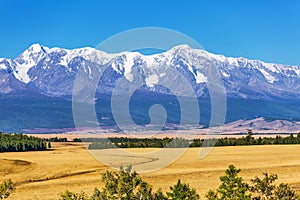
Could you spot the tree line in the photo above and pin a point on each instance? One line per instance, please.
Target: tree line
(124, 142)
(248, 140)
(19, 142)
(128, 185)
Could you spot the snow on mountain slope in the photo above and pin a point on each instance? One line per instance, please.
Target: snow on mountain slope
(26, 60)
(52, 71)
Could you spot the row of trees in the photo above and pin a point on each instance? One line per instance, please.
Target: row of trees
(123, 142)
(57, 139)
(128, 185)
(233, 187)
(248, 140)
(20, 142)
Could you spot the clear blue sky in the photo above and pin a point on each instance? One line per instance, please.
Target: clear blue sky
(268, 30)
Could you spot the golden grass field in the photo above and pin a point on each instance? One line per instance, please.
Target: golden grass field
(43, 175)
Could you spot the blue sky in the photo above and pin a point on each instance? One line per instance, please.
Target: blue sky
(267, 30)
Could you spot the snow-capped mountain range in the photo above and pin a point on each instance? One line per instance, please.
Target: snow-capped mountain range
(52, 71)
(35, 87)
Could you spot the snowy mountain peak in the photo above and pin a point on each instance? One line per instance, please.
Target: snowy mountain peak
(182, 47)
(36, 48)
(29, 58)
(5, 64)
(46, 68)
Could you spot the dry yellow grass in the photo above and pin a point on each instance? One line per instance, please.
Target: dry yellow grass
(43, 175)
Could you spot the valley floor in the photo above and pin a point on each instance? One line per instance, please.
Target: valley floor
(45, 174)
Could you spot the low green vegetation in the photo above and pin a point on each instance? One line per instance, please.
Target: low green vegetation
(6, 188)
(233, 187)
(128, 185)
(20, 142)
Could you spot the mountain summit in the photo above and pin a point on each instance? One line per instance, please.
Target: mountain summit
(35, 87)
(52, 71)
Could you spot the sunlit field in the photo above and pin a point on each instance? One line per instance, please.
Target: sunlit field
(45, 174)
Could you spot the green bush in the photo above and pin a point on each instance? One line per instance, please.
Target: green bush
(232, 187)
(182, 191)
(6, 188)
(128, 185)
